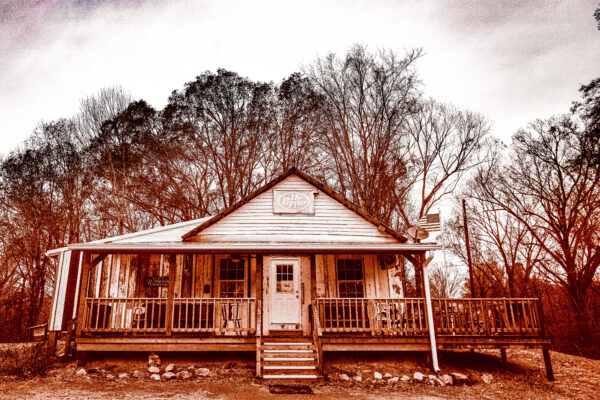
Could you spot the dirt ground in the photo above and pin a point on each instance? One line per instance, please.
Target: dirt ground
(522, 377)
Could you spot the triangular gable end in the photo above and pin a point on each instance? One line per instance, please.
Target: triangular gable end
(257, 218)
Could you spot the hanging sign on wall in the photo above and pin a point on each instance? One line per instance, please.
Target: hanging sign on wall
(156, 281)
(293, 201)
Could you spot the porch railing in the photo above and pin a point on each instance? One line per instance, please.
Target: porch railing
(378, 316)
(124, 315)
(406, 317)
(486, 316)
(221, 316)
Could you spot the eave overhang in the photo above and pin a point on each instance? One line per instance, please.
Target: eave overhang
(253, 247)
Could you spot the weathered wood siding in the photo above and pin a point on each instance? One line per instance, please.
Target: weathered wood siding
(331, 222)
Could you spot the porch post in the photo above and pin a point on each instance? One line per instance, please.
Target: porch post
(85, 268)
(170, 294)
(430, 324)
(258, 295)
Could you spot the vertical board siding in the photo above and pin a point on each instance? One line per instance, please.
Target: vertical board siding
(320, 270)
(252, 277)
(331, 222)
(62, 273)
(178, 272)
(305, 293)
(383, 283)
(330, 275)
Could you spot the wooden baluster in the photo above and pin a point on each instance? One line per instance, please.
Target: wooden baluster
(98, 321)
(346, 311)
(200, 315)
(411, 318)
(337, 314)
(525, 318)
(215, 321)
(534, 311)
(514, 325)
(107, 314)
(474, 328)
(363, 322)
(421, 315)
(486, 323)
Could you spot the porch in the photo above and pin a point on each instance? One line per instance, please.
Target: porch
(338, 324)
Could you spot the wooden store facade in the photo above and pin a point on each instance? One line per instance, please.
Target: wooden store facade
(290, 272)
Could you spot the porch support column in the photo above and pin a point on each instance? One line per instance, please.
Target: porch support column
(259, 312)
(76, 295)
(170, 294)
(83, 289)
(430, 324)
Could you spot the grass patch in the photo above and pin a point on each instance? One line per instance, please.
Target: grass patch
(25, 359)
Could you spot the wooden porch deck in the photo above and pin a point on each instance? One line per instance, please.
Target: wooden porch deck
(338, 324)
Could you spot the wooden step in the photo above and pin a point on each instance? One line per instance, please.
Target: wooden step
(286, 348)
(287, 344)
(286, 376)
(289, 359)
(304, 351)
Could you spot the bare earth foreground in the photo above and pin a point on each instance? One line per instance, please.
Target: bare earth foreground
(522, 377)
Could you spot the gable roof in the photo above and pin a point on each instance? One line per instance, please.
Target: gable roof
(324, 188)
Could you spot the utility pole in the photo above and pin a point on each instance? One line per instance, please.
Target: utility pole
(469, 262)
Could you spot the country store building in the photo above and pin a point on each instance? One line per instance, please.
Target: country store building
(291, 272)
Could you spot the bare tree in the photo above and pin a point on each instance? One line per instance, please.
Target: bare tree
(295, 127)
(446, 282)
(366, 100)
(224, 119)
(554, 193)
(445, 144)
(96, 109)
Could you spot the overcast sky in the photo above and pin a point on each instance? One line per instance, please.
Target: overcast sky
(512, 61)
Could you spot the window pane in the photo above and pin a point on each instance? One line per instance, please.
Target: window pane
(350, 278)
(285, 278)
(232, 289)
(232, 277)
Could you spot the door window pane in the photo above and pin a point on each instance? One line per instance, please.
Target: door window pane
(285, 278)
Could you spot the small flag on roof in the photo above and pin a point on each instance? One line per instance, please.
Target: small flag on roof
(430, 222)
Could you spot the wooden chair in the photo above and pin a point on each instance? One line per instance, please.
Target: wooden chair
(231, 312)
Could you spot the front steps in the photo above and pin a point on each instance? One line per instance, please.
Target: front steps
(289, 359)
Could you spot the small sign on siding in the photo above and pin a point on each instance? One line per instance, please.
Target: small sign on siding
(293, 201)
(156, 281)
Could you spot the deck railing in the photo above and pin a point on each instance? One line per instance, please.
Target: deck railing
(149, 315)
(378, 316)
(486, 316)
(124, 315)
(407, 317)
(222, 316)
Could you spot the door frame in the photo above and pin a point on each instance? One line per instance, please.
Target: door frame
(271, 274)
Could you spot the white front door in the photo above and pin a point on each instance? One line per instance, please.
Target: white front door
(284, 278)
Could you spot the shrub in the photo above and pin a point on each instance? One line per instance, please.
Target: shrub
(25, 359)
